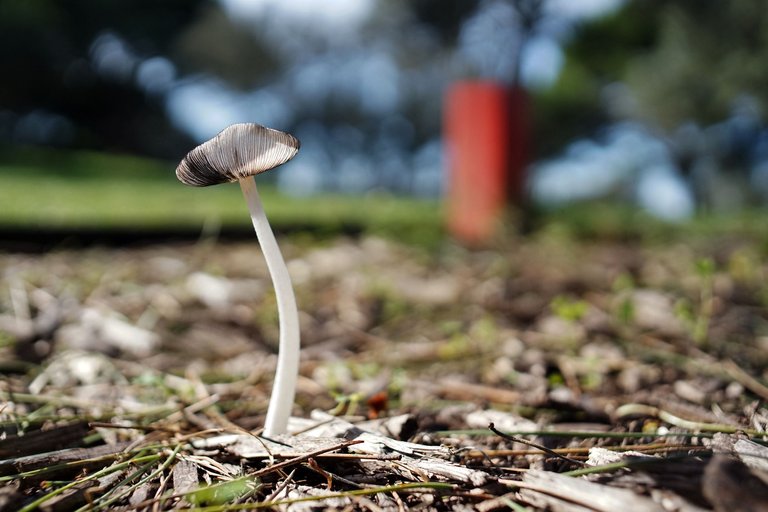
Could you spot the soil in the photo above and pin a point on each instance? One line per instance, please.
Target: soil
(635, 368)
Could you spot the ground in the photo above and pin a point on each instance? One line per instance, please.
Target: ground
(118, 363)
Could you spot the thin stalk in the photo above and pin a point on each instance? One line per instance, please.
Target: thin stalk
(570, 433)
(411, 486)
(100, 505)
(284, 387)
(94, 476)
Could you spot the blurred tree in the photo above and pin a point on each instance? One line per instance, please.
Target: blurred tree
(445, 17)
(596, 56)
(708, 54)
(213, 44)
(72, 69)
(691, 71)
(530, 14)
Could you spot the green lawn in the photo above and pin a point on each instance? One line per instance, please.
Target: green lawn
(620, 221)
(72, 190)
(92, 190)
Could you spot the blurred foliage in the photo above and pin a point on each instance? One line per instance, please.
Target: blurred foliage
(596, 56)
(708, 54)
(213, 44)
(225, 492)
(606, 44)
(79, 96)
(569, 309)
(47, 46)
(444, 17)
(683, 61)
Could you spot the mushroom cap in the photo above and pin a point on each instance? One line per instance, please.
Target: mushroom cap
(238, 151)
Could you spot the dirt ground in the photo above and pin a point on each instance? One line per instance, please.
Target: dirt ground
(637, 369)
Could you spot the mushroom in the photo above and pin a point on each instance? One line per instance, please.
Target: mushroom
(238, 153)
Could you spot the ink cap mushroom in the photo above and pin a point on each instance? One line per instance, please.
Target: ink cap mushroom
(237, 154)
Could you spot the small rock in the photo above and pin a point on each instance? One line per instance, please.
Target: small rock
(101, 331)
(503, 421)
(75, 368)
(219, 292)
(655, 311)
(553, 326)
(599, 456)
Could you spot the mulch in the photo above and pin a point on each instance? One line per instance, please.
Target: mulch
(546, 373)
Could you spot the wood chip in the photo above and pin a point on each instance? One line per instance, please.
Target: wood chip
(568, 494)
(600, 456)
(10, 496)
(303, 491)
(185, 477)
(750, 453)
(505, 421)
(452, 389)
(448, 471)
(40, 441)
(30, 462)
(70, 499)
(330, 426)
(140, 494)
(731, 487)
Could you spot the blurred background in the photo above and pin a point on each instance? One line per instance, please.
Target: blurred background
(654, 105)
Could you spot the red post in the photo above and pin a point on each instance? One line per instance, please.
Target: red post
(486, 131)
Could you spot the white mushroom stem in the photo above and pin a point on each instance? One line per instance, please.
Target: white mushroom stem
(284, 387)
